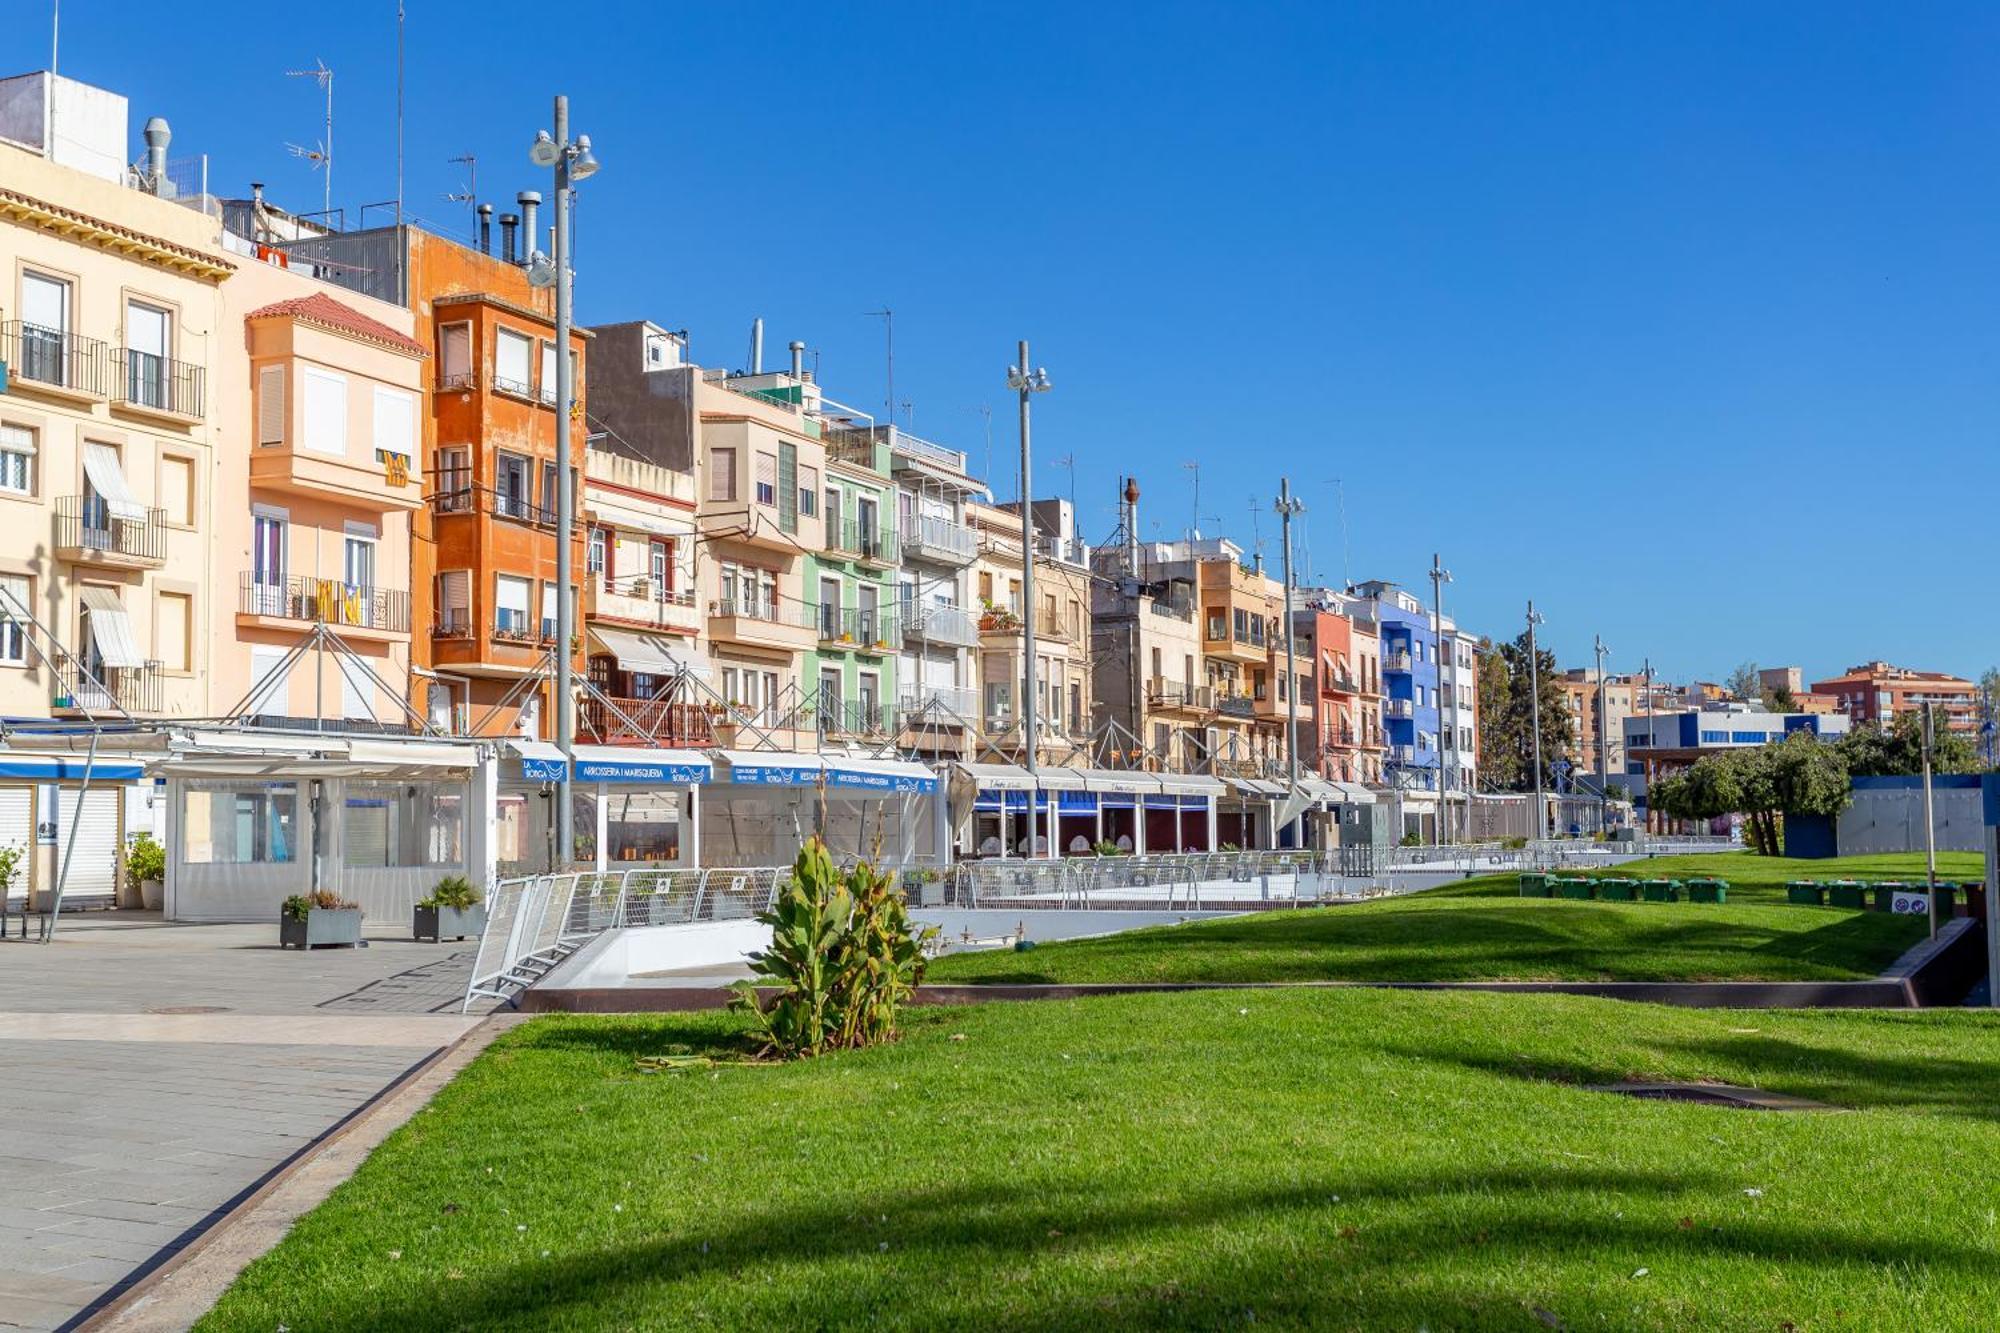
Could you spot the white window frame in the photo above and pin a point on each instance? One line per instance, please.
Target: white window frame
(17, 443)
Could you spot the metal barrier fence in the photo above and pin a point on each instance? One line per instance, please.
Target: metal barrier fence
(1174, 880)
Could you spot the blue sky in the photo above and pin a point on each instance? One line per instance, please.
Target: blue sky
(1679, 319)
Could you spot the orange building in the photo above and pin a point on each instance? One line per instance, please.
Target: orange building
(483, 589)
(1880, 693)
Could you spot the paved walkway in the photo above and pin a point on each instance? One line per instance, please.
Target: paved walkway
(151, 1076)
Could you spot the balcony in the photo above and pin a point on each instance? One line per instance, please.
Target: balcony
(742, 523)
(866, 545)
(939, 542)
(1399, 708)
(356, 611)
(53, 361)
(937, 704)
(519, 630)
(88, 533)
(1235, 705)
(1399, 662)
(379, 486)
(97, 689)
(851, 717)
(781, 624)
(851, 627)
(157, 386)
(644, 722)
(1401, 754)
(1177, 696)
(1337, 682)
(946, 625)
(639, 601)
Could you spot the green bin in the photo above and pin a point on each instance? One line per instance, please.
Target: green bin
(1847, 893)
(1807, 892)
(1581, 889)
(1660, 890)
(1618, 890)
(1534, 884)
(1708, 890)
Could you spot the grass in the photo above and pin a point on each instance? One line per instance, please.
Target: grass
(1349, 1159)
(1481, 930)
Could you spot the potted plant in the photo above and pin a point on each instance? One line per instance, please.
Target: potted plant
(323, 917)
(10, 864)
(146, 871)
(451, 912)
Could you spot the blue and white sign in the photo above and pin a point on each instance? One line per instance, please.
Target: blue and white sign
(775, 775)
(893, 782)
(669, 774)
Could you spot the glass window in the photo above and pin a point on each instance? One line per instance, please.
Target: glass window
(236, 822)
(17, 460)
(16, 600)
(808, 491)
(642, 826)
(403, 824)
(767, 479)
(512, 354)
(722, 474)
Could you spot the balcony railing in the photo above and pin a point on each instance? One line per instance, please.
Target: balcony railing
(1400, 708)
(1338, 682)
(327, 601)
(518, 627)
(158, 383)
(458, 497)
(86, 527)
(457, 380)
(1236, 705)
(865, 543)
(851, 717)
(97, 688)
(939, 541)
(799, 615)
(1396, 662)
(54, 358)
(1164, 693)
(939, 699)
(656, 721)
(1173, 607)
(940, 624)
(851, 625)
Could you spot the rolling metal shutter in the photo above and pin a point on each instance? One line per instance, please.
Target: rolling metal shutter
(17, 830)
(93, 874)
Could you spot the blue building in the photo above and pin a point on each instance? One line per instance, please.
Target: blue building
(1410, 706)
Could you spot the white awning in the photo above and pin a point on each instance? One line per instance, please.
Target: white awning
(651, 654)
(219, 740)
(1256, 787)
(111, 626)
(1353, 793)
(1122, 780)
(1060, 779)
(401, 754)
(100, 465)
(619, 515)
(999, 777)
(1190, 784)
(879, 775)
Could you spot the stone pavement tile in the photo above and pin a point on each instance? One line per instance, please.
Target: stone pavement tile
(125, 1210)
(74, 1249)
(37, 1316)
(156, 1234)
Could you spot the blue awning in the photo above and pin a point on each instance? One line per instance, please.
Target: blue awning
(888, 776)
(49, 768)
(637, 765)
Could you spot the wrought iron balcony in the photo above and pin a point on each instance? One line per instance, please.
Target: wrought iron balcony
(854, 627)
(158, 384)
(96, 688)
(53, 358)
(328, 602)
(872, 544)
(87, 531)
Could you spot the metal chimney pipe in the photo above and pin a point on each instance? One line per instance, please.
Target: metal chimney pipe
(1132, 526)
(507, 224)
(757, 346)
(486, 229)
(798, 360)
(531, 211)
(158, 135)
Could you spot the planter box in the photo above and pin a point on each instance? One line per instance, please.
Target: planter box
(438, 924)
(1618, 890)
(1805, 893)
(1660, 890)
(322, 927)
(1852, 896)
(152, 894)
(1579, 889)
(1708, 891)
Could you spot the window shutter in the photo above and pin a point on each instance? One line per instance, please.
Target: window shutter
(788, 487)
(455, 354)
(722, 474)
(455, 597)
(271, 405)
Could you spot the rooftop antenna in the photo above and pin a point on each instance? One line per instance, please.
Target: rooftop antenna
(888, 318)
(469, 196)
(1346, 556)
(1195, 531)
(1068, 463)
(1256, 529)
(322, 156)
(399, 138)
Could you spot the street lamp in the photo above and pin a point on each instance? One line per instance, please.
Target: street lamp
(1027, 382)
(571, 161)
(1446, 730)
(1535, 726)
(1288, 506)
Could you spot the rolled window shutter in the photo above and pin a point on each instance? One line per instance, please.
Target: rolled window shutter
(271, 405)
(788, 487)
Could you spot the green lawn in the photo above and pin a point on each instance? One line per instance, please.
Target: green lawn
(1481, 930)
(1294, 1158)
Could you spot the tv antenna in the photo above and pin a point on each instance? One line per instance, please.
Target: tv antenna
(1068, 463)
(1346, 556)
(1195, 468)
(469, 196)
(322, 155)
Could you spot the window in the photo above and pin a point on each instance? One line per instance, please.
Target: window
(510, 604)
(325, 405)
(148, 337)
(455, 356)
(722, 474)
(788, 487)
(270, 406)
(395, 424)
(594, 553)
(44, 351)
(832, 515)
(455, 600)
(177, 489)
(267, 558)
(358, 561)
(454, 484)
(548, 394)
(414, 824)
(808, 491)
(551, 609)
(173, 631)
(16, 600)
(767, 479)
(549, 496)
(660, 565)
(511, 488)
(234, 821)
(17, 460)
(511, 355)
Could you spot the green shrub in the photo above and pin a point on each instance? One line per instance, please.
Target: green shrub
(10, 865)
(842, 956)
(320, 900)
(1107, 848)
(144, 860)
(453, 891)
(1412, 840)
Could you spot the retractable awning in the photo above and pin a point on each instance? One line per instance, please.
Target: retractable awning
(1353, 793)
(540, 761)
(66, 768)
(648, 654)
(1254, 787)
(1189, 784)
(111, 627)
(999, 777)
(412, 754)
(1118, 780)
(641, 764)
(100, 466)
(1060, 779)
(880, 775)
(759, 768)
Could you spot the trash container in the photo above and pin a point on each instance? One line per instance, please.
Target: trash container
(1805, 891)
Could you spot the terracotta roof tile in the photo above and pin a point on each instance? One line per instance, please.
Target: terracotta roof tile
(321, 309)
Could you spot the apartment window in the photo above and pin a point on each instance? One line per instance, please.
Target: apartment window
(549, 496)
(45, 354)
(1014, 596)
(832, 515)
(358, 561)
(660, 557)
(788, 487)
(510, 603)
(455, 599)
(829, 607)
(999, 698)
(767, 479)
(17, 460)
(511, 486)
(548, 373)
(808, 491)
(551, 609)
(594, 553)
(177, 489)
(395, 425)
(1156, 663)
(455, 356)
(722, 474)
(512, 353)
(1075, 707)
(16, 600)
(148, 336)
(270, 406)
(325, 408)
(173, 631)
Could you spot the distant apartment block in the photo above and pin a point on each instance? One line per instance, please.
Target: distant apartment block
(1879, 692)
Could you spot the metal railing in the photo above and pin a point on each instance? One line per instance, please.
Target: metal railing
(102, 689)
(458, 497)
(328, 601)
(955, 699)
(857, 627)
(639, 721)
(783, 611)
(53, 357)
(939, 540)
(85, 525)
(1396, 662)
(1178, 880)
(158, 383)
(940, 624)
(851, 717)
(1235, 705)
(1399, 708)
(1162, 692)
(862, 541)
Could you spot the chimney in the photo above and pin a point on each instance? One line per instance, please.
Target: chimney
(757, 346)
(507, 224)
(531, 212)
(486, 229)
(798, 360)
(158, 136)
(1131, 496)
(260, 217)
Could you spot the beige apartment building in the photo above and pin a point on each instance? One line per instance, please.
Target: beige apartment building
(1153, 706)
(1058, 625)
(1621, 694)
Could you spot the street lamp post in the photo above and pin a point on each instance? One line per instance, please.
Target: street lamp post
(1603, 756)
(1439, 577)
(1287, 507)
(1535, 724)
(1026, 383)
(571, 161)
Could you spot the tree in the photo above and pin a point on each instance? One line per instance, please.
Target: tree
(1499, 752)
(1782, 700)
(1871, 751)
(1989, 710)
(1515, 735)
(1799, 775)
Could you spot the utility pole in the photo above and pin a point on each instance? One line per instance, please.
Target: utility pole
(1446, 737)
(1930, 826)
(1026, 383)
(1535, 726)
(1648, 670)
(1287, 507)
(1603, 757)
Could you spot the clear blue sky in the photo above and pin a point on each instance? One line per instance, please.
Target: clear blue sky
(1678, 318)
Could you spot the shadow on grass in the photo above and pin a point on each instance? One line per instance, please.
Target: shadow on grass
(991, 1256)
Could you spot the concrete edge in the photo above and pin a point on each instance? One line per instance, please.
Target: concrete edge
(179, 1291)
